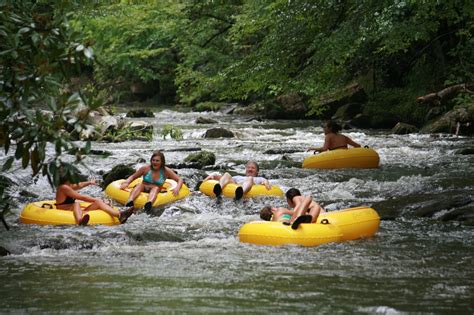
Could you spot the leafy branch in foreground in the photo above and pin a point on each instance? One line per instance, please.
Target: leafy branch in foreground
(39, 54)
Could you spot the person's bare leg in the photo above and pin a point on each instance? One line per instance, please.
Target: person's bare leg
(76, 209)
(314, 211)
(101, 205)
(151, 197)
(135, 192)
(301, 206)
(225, 179)
(247, 185)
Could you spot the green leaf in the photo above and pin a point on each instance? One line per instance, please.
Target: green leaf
(8, 164)
(19, 151)
(25, 160)
(35, 161)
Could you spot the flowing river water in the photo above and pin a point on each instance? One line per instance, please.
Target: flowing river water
(187, 258)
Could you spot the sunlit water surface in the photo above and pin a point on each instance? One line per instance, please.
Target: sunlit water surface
(187, 257)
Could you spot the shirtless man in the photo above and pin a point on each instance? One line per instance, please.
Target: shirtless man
(333, 140)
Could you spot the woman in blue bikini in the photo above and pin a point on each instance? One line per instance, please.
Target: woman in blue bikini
(154, 176)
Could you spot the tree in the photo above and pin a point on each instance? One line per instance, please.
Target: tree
(39, 54)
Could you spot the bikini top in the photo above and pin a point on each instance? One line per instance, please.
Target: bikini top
(148, 178)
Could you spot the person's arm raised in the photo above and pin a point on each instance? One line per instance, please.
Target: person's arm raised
(140, 172)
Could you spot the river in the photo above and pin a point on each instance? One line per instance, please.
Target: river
(187, 258)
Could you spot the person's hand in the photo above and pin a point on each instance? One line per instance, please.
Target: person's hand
(267, 184)
(124, 185)
(175, 191)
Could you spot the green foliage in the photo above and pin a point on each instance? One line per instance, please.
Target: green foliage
(134, 41)
(207, 106)
(39, 53)
(174, 132)
(126, 134)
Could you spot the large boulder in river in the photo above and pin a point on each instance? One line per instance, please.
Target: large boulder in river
(286, 106)
(351, 94)
(205, 120)
(4, 251)
(458, 121)
(120, 171)
(201, 159)
(347, 111)
(218, 133)
(403, 129)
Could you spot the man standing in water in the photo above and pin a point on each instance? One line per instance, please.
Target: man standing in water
(245, 182)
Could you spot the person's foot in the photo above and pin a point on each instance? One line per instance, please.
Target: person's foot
(129, 204)
(84, 220)
(306, 218)
(217, 190)
(147, 206)
(125, 214)
(239, 193)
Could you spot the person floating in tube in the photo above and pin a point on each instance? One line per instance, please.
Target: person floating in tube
(305, 210)
(67, 198)
(333, 139)
(154, 177)
(245, 182)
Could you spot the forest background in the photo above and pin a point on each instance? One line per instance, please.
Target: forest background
(200, 54)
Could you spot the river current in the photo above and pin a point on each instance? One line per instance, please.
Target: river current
(186, 258)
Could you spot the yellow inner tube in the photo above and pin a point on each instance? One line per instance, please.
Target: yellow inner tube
(343, 158)
(207, 188)
(164, 197)
(335, 226)
(45, 212)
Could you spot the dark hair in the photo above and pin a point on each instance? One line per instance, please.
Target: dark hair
(67, 173)
(266, 213)
(291, 193)
(162, 157)
(334, 126)
(254, 163)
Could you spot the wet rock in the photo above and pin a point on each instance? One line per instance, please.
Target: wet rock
(286, 106)
(360, 121)
(281, 151)
(219, 133)
(136, 113)
(466, 151)
(120, 171)
(182, 149)
(353, 93)
(463, 214)
(28, 194)
(101, 153)
(4, 251)
(347, 111)
(203, 158)
(204, 120)
(403, 128)
(457, 121)
(435, 205)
